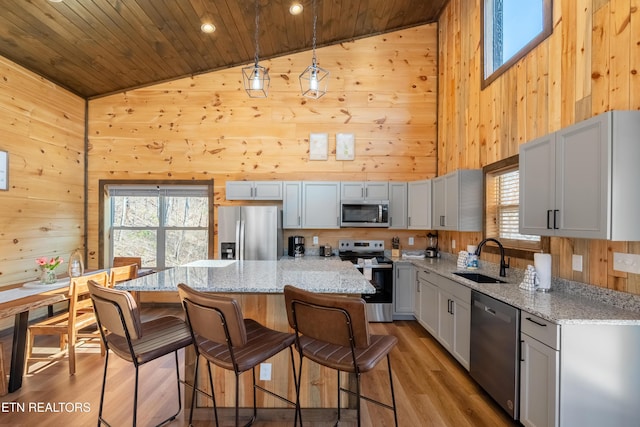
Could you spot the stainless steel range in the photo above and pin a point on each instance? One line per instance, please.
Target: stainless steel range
(368, 257)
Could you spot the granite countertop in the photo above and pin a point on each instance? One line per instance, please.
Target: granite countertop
(316, 274)
(567, 303)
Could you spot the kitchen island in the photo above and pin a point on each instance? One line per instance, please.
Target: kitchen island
(258, 287)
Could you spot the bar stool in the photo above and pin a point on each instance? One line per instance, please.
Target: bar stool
(333, 331)
(223, 337)
(135, 341)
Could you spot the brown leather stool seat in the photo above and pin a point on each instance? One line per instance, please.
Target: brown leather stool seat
(135, 341)
(223, 337)
(333, 331)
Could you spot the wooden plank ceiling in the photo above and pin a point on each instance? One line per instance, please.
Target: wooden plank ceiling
(98, 47)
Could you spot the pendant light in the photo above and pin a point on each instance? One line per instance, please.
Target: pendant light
(255, 77)
(314, 80)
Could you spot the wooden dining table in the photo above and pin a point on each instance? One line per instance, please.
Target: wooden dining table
(18, 302)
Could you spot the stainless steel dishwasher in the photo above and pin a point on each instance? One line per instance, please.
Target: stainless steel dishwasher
(494, 354)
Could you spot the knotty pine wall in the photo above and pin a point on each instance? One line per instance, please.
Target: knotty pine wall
(42, 214)
(383, 89)
(589, 65)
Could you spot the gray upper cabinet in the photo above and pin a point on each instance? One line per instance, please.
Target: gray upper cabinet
(580, 181)
(457, 201)
(419, 205)
(320, 204)
(398, 205)
(357, 190)
(254, 190)
(292, 204)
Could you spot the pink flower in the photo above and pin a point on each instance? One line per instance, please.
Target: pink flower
(49, 264)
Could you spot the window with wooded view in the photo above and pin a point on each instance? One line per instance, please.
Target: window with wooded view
(166, 226)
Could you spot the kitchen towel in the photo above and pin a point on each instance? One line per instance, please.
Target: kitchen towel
(542, 264)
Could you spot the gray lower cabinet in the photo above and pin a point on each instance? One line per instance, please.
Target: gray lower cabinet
(578, 373)
(403, 289)
(539, 379)
(445, 312)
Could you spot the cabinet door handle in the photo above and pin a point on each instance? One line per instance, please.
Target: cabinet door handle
(555, 219)
(537, 323)
(549, 219)
(521, 352)
(442, 220)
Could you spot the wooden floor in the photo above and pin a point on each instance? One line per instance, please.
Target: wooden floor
(432, 389)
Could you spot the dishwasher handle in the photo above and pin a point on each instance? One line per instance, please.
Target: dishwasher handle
(498, 315)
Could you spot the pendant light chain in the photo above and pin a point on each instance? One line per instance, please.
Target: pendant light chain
(257, 30)
(315, 22)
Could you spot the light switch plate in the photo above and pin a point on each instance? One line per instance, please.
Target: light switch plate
(315, 240)
(411, 241)
(626, 262)
(576, 262)
(453, 244)
(265, 372)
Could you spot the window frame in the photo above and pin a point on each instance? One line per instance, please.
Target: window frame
(522, 253)
(104, 208)
(547, 30)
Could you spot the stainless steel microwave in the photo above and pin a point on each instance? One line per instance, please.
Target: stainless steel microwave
(364, 213)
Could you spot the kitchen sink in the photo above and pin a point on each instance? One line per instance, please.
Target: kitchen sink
(479, 278)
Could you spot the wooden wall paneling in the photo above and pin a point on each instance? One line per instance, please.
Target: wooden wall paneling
(568, 55)
(584, 23)
(634, 56)
(43, 211)
(556, 86)
(619, 50)
(383, 89)
(600, 60)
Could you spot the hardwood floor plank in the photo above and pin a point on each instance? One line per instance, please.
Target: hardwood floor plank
(432, 389)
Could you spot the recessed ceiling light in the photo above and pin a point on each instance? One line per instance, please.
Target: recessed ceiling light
(296, 9)
(208, 27)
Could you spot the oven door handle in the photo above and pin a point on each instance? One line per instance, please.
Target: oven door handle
(377, 266)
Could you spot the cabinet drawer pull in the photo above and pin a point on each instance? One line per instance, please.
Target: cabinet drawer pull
(537, 323)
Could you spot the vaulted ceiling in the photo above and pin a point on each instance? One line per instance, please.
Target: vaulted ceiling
(98, 47)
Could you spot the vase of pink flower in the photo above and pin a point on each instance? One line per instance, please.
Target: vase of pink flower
(48, 269)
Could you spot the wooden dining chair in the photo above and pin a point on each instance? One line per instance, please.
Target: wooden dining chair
(138, 342)
(333, 331)
(120, 261)
(122, 273)
(71, 325)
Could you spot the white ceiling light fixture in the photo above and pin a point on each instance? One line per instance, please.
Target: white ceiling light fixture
(207, 27)
(256, 77)
(314, 80)
(296, 9)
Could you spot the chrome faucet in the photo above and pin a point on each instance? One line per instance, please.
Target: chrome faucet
(503, 264)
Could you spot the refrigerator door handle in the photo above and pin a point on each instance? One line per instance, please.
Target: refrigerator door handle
(241, 240)
(238, 247)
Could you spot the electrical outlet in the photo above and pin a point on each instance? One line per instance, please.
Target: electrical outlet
(576, 262)
(453, 244)
(315, 240)
(265, 372)
(626, 262)
(411, 241)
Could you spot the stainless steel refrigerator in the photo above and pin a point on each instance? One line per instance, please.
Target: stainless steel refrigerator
(249, 232)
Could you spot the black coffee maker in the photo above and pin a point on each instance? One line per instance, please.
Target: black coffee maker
(296, 246)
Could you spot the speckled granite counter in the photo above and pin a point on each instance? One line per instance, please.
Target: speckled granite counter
(313, 273)
(568, 302)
